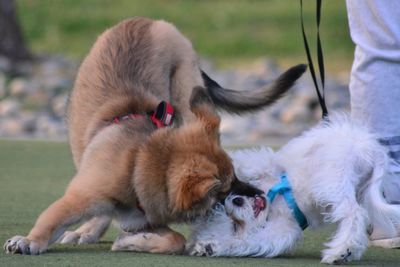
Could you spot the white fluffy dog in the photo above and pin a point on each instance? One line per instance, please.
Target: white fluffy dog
(330, 174)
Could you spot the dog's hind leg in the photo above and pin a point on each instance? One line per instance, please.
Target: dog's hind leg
(160, 240)
(88, 233)
(350, 239)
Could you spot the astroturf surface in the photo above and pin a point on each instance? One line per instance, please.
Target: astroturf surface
(34, 174)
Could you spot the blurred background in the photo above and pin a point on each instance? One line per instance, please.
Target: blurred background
(242, 45)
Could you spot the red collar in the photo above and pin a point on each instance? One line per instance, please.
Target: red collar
(161, 117)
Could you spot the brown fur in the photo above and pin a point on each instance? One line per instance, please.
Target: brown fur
(161, 240)
(139, 61)
(176, 173)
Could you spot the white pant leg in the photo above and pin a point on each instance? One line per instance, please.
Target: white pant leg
(375, 76)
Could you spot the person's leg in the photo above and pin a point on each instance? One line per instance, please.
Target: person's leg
(375, 85)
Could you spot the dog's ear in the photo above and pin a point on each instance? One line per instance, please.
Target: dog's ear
(192, 182)
(195, 189)
(202, 106)
(244, 189)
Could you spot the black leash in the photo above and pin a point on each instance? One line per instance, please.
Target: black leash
(320, 93)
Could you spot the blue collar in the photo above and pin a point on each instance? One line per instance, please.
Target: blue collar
(283, 188)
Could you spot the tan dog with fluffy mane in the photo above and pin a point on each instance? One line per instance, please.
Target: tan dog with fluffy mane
(129, 166)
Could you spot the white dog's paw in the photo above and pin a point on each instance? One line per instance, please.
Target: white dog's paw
(330, 257)
(72, 237)
(21, 245)
(203, 248)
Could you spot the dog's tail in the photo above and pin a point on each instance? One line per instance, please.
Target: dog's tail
(251, 100)
(383, 215)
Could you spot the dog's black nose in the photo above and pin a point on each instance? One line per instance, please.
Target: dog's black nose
(238, 201)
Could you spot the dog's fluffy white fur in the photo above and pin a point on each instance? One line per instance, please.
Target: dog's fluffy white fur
(335, 170)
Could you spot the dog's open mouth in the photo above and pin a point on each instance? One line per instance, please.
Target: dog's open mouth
(259, 205)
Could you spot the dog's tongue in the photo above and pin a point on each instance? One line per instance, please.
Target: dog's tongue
(259, 205)
(259, 202)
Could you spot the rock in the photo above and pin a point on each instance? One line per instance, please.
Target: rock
(22, 125)
(48, 126)
(299, 111)
(39, 99)
(11, 127)
(28, 121)
(9, 107)
(19, 87)
(230, 125)
(337, 96)
(59, 105)
(34, 105)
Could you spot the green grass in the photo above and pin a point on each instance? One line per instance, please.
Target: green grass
(34, 174)
(227, 31)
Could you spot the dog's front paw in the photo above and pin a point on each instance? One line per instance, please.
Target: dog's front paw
(203, 249)
(72, 237)
(21, 245)
(333, 258)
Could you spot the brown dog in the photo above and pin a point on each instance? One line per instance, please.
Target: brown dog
(130, 167)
